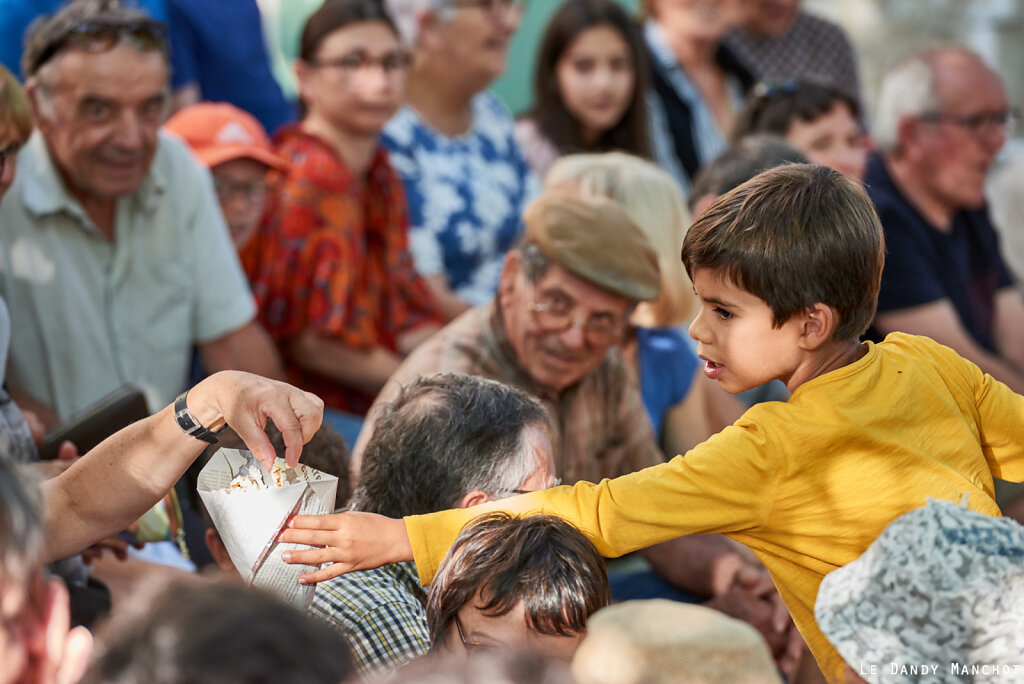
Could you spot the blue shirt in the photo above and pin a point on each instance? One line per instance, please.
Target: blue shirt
(17, 15)
(666, 365)
(220, 47)
(924, 264)
(466, 195)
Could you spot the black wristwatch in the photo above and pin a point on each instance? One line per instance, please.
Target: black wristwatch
(188, 423)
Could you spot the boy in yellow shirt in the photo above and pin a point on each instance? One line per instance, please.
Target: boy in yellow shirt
(787, 269)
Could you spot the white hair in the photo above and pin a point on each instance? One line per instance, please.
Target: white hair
(407, 13)
(908, 89)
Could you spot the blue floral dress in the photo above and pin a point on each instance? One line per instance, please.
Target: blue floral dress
(466, 195)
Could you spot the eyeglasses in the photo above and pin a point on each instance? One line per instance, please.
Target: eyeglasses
(227, 190)
(394, 62)
(493, 7)
(557, 482)
(554, 314)
(9, 152)
(470, 646)
(981, 125)
(143, 34)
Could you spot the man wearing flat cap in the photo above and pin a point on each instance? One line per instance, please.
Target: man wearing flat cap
(563, 302)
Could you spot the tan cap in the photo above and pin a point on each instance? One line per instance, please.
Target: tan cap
(665, 642)
(593, 238)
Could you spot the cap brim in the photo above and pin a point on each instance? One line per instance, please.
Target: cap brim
(225, 153)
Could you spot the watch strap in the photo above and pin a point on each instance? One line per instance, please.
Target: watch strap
(188, 422)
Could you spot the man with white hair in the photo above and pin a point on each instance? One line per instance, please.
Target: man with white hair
(943, 116)
(115, 260)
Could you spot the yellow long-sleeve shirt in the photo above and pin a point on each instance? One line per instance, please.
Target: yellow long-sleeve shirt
(807, 484)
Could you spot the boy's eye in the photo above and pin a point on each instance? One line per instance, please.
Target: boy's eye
(722, 313)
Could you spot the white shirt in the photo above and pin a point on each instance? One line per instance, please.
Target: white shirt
(89, 314)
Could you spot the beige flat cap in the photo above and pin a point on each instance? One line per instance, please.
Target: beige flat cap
(593, 238)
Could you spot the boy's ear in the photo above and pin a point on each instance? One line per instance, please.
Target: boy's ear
(819, 324)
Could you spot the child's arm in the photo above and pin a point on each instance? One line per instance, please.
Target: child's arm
(352, 541)
(724, 485)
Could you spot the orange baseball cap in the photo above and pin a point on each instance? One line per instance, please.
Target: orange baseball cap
(219, 132)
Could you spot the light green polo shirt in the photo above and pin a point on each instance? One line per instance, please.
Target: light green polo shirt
(89, 314)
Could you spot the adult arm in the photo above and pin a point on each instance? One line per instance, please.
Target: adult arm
(116, 482)
(1009, 325)
(448, 303)
(247, 349)
(367, 369)
(939, 321)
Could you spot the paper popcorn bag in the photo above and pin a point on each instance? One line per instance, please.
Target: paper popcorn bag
(250, 511)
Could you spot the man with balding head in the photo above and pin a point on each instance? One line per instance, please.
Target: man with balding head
(115, 261)
(942, 118)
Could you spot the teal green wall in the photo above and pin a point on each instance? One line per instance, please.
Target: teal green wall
(516, 86)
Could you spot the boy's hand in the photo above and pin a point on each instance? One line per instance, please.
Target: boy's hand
(351, 541)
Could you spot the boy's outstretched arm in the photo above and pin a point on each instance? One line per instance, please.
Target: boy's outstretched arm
(352, 541)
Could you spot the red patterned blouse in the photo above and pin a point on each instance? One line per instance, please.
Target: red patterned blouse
(332, 256)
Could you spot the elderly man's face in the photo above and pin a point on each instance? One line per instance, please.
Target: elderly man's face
(557, 356)
(953, 151)
(102, 121)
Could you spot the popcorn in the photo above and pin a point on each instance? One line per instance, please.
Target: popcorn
(280, 475)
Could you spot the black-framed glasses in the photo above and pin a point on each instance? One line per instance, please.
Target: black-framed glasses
(980, 125)
(93, 36)
(394, 62)
(493, 7)
(554, 315)
(228, 189)
(6, 153)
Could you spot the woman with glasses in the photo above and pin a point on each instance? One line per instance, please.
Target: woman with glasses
(465, 177)
(698, 85)
(330, 268)
(588, 86)
(819, 120)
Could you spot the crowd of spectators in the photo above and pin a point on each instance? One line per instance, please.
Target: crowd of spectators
(694, 283)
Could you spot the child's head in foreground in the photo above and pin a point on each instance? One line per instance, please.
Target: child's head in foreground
(787, 264)
(516, 582)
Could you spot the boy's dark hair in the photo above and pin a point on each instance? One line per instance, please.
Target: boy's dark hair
(210, 633)
(774, 107)
(794, 236)
(549, 112)
(502, 560)
(444, 436)
(741, 161)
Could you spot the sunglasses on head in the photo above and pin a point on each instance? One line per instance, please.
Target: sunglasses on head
(93, 36)
(775, 90)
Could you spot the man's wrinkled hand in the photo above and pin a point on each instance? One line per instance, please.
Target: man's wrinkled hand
(245, 401)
